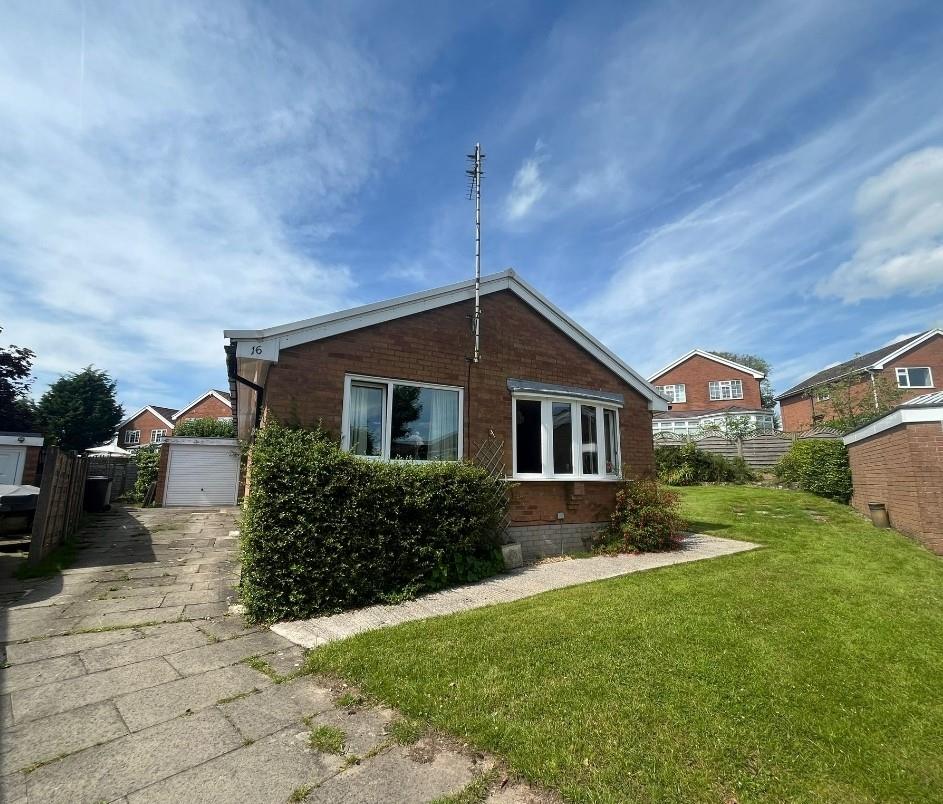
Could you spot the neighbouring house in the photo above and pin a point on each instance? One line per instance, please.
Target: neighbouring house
(897, 462)
(913, 366)
(396, 379)
(150, 425)
(703, 389)
(20, 455)
(211, 405)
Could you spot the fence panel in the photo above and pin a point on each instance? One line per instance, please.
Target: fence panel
(761, 451)
(59, 506)
(122, 471)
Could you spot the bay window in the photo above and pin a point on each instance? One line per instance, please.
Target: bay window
(914, 378)
(564, 439)
(394, 419)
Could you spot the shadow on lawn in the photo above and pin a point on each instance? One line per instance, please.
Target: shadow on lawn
(701, 526)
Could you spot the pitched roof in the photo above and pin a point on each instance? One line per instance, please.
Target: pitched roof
(859, 363)
(920, 409)
(222, 396)
(710, 356)
(165, 414)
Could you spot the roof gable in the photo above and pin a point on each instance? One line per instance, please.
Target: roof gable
(163, 413)
(222, 396)
(708, 356)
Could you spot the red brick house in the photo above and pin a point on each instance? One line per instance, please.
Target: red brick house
(897, 461)
(703, 388)
(211, 405)
(150, 425)
(913, 366)
(572, 416)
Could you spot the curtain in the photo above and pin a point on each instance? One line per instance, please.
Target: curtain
(443, 425)
(361, 442)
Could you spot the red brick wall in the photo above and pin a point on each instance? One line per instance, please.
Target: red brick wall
(146, 422)
(31, 475)
(802, 411)
(696, 372)
(161, 475)
(927, 354)
(903, 468)
(209, 408)
(307, 386)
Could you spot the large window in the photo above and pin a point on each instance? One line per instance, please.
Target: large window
(914, 378)
(726, 389)
(560, 438)
(157, 436)
(391, 419)
(132, 436)
(673, 393)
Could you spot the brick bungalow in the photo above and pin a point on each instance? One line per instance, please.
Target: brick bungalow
(395, 379)
(897, 461)
(211, 405)
(702, 388)
(20, 458)
(150, 425)
(913, 366)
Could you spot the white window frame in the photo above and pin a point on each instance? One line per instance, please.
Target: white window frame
(576, 431)
(905, 372)
(128, 437)
(161, 433)
(721, 385)
(389, 382)
(676, 395)
(823, 395)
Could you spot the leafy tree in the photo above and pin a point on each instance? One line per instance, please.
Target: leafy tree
(854, 401)
(80, 410)
(758, 364)
(206, 428)
(16, 409)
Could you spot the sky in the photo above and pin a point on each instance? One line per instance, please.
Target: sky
(751, 177)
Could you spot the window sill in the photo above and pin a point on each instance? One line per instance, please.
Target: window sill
(591, 479)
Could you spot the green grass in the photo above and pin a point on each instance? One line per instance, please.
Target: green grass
(60, 558)
(327, 739)
(808, 670)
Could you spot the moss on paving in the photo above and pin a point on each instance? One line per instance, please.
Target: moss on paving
(808, 670)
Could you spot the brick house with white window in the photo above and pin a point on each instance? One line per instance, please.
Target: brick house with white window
(703, 388)
(913, 366)
(150, 425)
(396, 380)
(212, 404)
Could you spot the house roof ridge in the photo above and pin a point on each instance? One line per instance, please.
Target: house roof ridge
(709, 356)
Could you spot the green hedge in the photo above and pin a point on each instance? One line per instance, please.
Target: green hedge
(206, 428)
(324, 531)
(817, 465)
(687, 465)
(147, 460)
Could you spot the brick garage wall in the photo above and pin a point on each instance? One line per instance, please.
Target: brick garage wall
(903, 468)
(161, 475)
(209, 408)
(696, 372)
(31, 467)
(146, 422)
(307, 386)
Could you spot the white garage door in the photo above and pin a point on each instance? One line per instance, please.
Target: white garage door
(11, 465)
(202, 474)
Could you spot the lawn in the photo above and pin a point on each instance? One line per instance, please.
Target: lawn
(808, 670)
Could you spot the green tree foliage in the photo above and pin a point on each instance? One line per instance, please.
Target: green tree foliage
(687, 465)
(16, 409)
(324, 530)
(646, 517)
(206, 428)
(855, 401)
(147, 460)
(757, 363)
(818, 465)
(80, 410)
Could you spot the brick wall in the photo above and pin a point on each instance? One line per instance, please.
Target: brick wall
(903, 468)
(161, 475)
(696, 372)
(31, 468)
(145, 422)
(307, 385)
(928, 354)
(209, 408)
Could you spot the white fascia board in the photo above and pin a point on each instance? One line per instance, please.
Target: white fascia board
(708, 355)
(21, 440)
(199, 399)
(894, 419)
(142, 410)
(906, 348)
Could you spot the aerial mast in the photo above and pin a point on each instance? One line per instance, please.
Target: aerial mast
(475, 173)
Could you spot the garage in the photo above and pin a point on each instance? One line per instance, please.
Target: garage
(19, 456)
(201, 472)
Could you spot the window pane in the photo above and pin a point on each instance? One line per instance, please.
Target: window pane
(919, 376)
(612, 442)
(590, 448)
(562, 438)
(424, 424)
(527, 449)
(365, 419)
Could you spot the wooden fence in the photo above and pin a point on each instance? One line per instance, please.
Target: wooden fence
(122, 471)
(60, 502)
(761, 451)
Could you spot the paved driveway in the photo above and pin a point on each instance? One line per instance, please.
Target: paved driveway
(127, 680)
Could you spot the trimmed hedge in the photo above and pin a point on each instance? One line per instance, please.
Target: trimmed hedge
(817, 465)
(324, 531)
(206, 428)
(687, 465)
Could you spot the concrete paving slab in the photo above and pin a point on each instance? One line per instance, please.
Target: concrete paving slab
(259, 715)
(13, 789)
(90, 607)
(227, 627)
(61, 696)
(220, 654)
(156, 704)
(60, 646)
(37, 628)
(364, 729)
(35, 674)
(106, 772)
(195, 596)
(287, 660)
(183, 637)
(136, 617)
(201, 611)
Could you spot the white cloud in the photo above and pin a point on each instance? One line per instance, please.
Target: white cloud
(900, 233)
(528, 186)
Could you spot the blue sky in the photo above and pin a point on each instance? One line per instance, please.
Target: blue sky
(751, 177)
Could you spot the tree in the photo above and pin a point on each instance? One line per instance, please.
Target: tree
(854, 401)
(16, 408)
(80, 410)
(758, 364)
(735, 429)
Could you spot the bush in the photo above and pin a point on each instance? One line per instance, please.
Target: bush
(687, 465)
(646, 517)
(206, 428)
(324, 530)
(817, 465)
(146, 460)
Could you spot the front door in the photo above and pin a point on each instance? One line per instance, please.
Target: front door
(11, 465)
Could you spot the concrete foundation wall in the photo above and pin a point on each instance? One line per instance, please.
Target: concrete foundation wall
(538, 541)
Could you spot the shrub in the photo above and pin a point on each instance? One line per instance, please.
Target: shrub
(324, 530)
(206, 428)
(646, 517)
(817, 465)
(687, 465)
(146, 459)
